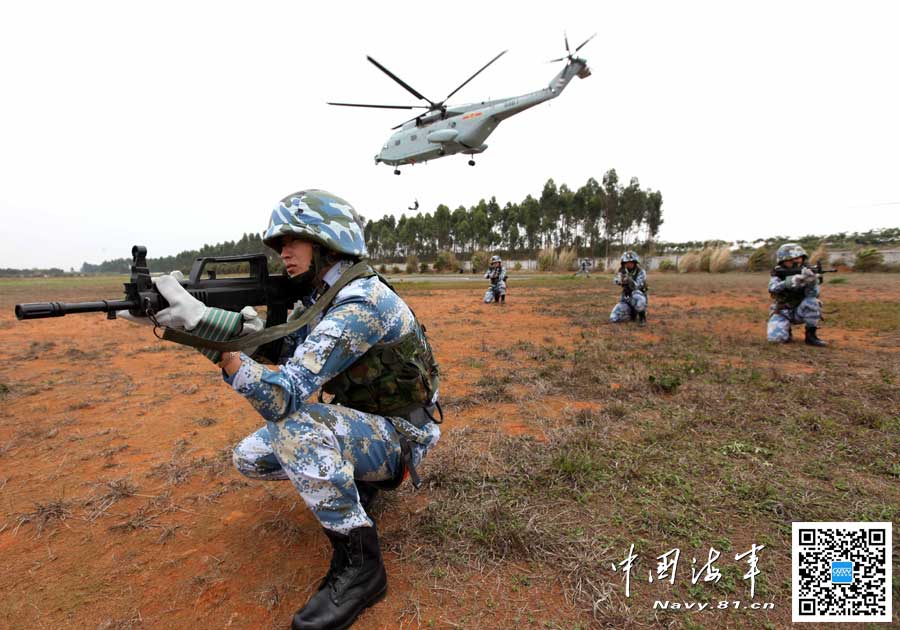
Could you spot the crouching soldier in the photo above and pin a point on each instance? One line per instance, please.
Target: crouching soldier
(497, 275)
(794, 287)
(364, 346)
(633, 301)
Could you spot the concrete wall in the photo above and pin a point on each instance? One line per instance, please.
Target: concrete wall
(841, 256)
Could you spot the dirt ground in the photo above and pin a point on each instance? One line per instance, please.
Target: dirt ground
(119, 507)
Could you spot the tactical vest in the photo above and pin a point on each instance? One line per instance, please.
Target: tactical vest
(392, 378)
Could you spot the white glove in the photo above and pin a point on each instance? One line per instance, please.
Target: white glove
(140, 319)
(809, 276)
(797, 280)
(252, 321)
(184, 310)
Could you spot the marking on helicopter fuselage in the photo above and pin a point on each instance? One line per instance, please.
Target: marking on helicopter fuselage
(473, 115)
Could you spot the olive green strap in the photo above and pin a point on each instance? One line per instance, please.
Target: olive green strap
(253, 340)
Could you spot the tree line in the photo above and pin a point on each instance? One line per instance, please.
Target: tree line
(247, 244)
(588, 219)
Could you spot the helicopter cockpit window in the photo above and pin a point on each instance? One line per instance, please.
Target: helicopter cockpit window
(413, 137)
(396, 143)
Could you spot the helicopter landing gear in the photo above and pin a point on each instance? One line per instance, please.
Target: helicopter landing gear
(396, 171)
(471, 162)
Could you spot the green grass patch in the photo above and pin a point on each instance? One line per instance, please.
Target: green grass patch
(874, 315)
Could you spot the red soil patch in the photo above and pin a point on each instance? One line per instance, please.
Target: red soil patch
(90, 401)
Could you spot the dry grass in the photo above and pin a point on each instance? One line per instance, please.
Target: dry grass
(106, 494)
(820, 255)
(701, 443)
(44, 514)
(567, 260)
(720, 261)
(689, 263)
(705, 258)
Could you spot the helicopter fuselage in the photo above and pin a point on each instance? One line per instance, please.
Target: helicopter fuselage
(464, 128)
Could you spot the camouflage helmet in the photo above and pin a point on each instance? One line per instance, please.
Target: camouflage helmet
(630, 256)
(321, 217)
(495, 258)
(788, 251)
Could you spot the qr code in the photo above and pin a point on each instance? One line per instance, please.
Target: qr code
(841, 572)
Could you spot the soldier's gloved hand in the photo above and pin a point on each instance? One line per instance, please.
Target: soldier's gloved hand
(252, 322)
(141, 319)
(809, 276)
(184, 310)
(797, 280)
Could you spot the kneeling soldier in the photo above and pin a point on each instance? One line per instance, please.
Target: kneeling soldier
(795, 288)
(633, 301)
(367, 349)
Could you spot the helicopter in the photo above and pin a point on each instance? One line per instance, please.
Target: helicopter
(444, 130)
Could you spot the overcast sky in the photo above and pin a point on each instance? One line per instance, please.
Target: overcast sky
(174, 124)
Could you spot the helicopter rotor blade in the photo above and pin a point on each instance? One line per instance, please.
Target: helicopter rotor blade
(473, 76)
(566, 38)
(380, 106)
(586, 41)
(401, 82)
(555, 60)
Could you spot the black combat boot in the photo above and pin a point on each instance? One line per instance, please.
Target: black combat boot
(812, 339)
(642, 318)
(355, 581)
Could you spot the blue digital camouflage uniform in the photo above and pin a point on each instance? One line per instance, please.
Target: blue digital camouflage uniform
(633, 303)
(793, 305)
(497, 276)
(323, 448)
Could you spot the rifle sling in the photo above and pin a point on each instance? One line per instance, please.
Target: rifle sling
(253, 340)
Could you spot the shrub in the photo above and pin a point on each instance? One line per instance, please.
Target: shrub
(517, 266)
(689, 263)
(666, 266)
(868, 259)
(665, 383)
(423, 268)
(446, 261)
(382, 269)
(546, 259)
(412, 263)
(480, 260)
(720, 261)
(820, 255)
(760, 260)
(395, 269)
(567, 260)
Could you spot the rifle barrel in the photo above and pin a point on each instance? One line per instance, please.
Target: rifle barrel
(40, 310)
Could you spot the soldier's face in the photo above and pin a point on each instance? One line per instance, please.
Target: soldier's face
(790, 262)
(296, 254)
(630, 265)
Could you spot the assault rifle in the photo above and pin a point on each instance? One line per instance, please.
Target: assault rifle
(784, 272)
(276, 292)
(626, 282)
